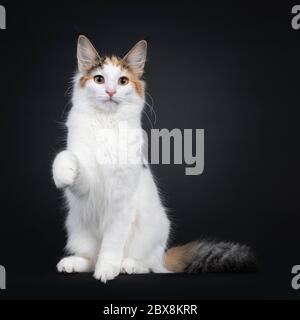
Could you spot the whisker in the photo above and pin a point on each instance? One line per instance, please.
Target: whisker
(151, 106)
(65, 109)
(145, 112)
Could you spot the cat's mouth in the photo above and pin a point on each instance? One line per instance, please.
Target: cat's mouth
(111, 100)
(108, 102)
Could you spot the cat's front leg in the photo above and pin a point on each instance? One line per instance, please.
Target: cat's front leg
(111, 254)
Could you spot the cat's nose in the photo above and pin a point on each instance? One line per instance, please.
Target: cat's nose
(111, 92)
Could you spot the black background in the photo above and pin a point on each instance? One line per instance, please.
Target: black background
(231, 69)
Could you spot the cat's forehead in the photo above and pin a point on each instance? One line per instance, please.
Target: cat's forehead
(110, 69)
(112, 66)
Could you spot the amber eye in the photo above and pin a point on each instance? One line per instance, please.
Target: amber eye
(99, 79)
(123, 81)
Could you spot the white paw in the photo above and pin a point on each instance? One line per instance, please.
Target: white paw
(106, 271)
(64, 169)
(131, 266)
(74, 264)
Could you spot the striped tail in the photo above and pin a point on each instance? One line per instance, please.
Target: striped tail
(210, 256)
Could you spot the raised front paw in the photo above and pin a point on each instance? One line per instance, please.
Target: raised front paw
(65, 169)
(106, 271)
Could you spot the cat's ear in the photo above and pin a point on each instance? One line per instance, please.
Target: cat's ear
(87, 55)
(136, 57)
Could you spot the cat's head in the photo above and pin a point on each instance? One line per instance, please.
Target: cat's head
(110, 82)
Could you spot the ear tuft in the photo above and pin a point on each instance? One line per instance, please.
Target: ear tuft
(87, 55)
(136, 57)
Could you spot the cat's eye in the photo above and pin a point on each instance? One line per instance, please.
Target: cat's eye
(123, 81)
(99, 79)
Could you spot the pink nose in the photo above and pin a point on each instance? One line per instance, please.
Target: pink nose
(110, 92)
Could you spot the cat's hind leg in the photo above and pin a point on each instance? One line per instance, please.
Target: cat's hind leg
(130, 266)
(156, 259)
(73, 264)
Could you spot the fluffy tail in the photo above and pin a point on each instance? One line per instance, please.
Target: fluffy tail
(207, 256)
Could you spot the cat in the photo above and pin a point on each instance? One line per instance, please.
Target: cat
(116, 221)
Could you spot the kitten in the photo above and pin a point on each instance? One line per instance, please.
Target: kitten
(116, 222)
